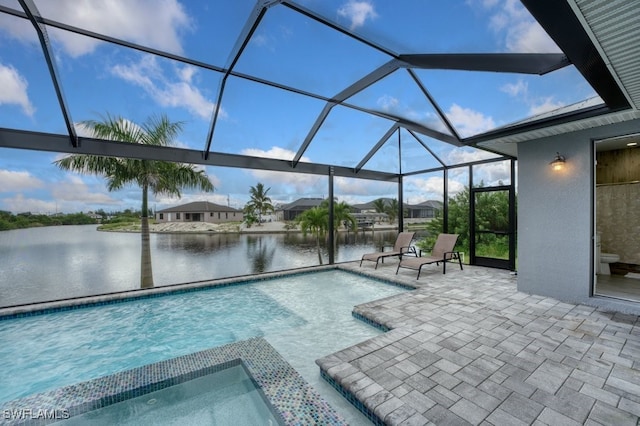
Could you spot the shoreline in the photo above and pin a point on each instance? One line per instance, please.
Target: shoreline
(225, 228)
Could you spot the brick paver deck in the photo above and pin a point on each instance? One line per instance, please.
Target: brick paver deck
(468, 348)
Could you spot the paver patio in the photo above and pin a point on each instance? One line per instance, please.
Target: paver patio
(468, 348)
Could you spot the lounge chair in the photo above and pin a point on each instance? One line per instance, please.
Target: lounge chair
(443, 251)
(401, 246)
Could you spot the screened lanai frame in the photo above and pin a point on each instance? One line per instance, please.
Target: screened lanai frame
(556, 18)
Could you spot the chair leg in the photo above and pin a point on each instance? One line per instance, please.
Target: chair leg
(397, 269)
(419, 270)
(377, 260)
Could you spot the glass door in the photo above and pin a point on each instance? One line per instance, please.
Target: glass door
(492, 227)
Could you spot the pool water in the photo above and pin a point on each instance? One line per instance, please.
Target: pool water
(78, 345)
(303, 316)
(227, 397)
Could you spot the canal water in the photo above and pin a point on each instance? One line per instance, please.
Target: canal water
(51, 263)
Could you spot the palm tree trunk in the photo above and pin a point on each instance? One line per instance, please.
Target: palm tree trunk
(146, 272)
(318, 245)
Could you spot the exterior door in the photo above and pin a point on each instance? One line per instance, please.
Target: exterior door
(492, 227)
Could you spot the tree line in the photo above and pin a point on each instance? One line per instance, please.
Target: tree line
(492, 216)
(10, 221)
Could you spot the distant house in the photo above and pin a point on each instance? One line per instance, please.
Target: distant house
(95, 216)
(425, 210)
(199, 211)
(292, 210)
(369, 219)
(370, 206)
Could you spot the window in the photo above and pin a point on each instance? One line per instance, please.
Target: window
(161, 216)
(187, 216)
(178, 216)
(211, 214)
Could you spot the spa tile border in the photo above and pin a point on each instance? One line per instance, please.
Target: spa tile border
(292, 400)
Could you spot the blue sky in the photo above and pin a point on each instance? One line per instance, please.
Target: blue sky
(289, 49)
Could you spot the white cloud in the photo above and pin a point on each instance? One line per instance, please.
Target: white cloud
(485, 4)
(71, 195)
(393, 105)
(148, 75)
(537, 106)
(13, 181)
(545, 105)
(14, 89)
(300, 181)
(187, 73)
(434, 122)
(529, 37)
(469, 122)
(517, 29)
(418, 190)
(274, 152)
(260, 39)
(116, 18)
(388, 103)
(74, 189)
(516, 89)
(18, 29)
(490, 3)
(492, 174)
(357, 12)
(20, 204)
(461, 156)
(362, 188)
(291, 183)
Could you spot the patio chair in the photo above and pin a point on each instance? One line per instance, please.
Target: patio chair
(443, 251)
(401, 246)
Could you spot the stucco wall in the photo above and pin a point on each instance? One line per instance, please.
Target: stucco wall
(209, 217)
(555, 219)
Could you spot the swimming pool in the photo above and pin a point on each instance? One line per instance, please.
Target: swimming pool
(304, 316)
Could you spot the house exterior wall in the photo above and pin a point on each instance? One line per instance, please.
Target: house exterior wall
(293, 213)
(555, 213)
(422, 212)
(209, 217)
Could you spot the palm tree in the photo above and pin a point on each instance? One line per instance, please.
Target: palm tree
(341, 215)
(380, 205)
(392, 210)
(260, 203)
(315, 221)
(159, 177)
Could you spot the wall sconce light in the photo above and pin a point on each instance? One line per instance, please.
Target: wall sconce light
(558, 162)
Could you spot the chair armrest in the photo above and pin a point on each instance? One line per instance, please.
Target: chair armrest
(457, 255)
(409, 250)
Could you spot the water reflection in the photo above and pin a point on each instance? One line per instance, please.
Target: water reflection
(196, 243)
(260, 253)
(71, 261)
